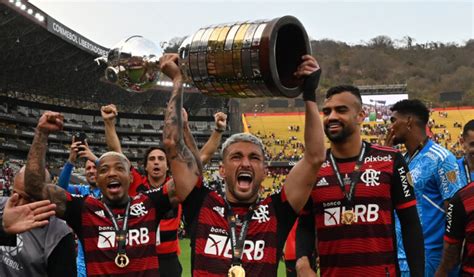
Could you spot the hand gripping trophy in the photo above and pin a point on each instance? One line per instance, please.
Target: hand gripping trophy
(237, 60)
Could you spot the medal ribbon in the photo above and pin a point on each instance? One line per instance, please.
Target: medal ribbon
(120, 234)
(354, 177)
(468, 171)
(237, 242)
(417, 151)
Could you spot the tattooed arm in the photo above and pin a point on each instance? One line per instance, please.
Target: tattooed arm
(35, 174)
(189, 140)
(183, 164)
(300, 180)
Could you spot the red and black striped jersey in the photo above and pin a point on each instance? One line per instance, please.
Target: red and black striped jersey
(168, 243)
(460, 226)
(290, 245)
(206, 212)
(368, 245)
(90, 221)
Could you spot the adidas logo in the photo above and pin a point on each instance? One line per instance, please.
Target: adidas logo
(100, 213)
(322, 183)
(219, 210)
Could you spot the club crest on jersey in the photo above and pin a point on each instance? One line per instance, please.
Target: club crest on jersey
(138, 209)
(325, 164)
(322, 183)
(261, 214)
(370, 177)
(451, 176)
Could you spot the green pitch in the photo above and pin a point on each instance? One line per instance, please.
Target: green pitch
(185, 259)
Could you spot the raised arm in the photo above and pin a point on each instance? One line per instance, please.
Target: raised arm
(85, 152)
(184, 167)
(35, 185)
(300, 180)
(109, 113)
(65, 175)
(214, 140)
(189, 139)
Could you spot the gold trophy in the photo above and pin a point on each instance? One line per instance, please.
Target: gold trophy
(238, 60)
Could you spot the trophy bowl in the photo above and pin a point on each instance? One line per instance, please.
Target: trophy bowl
(133, 64)
(237, 60)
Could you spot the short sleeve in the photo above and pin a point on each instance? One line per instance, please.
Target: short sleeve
(193, 203)
(285, 215)
(161, 201)
(73, 214)
(403, 195)
(456, 218)
(136, 182)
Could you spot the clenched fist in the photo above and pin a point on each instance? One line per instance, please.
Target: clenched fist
(50, 122)
(220, 119)
(109, 112)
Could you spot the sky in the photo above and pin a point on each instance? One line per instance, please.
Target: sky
(107, 22)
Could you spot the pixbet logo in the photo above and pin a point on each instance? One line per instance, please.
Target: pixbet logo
(363, 213)
(218, 245)
(372, 159)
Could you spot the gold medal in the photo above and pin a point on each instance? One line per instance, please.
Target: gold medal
(121, 260)
(348, 217)
(236, 271)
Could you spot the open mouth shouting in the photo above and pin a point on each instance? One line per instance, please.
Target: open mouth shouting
(244, 181)
(114, 187)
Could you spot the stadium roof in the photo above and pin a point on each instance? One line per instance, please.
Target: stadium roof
(42, 56)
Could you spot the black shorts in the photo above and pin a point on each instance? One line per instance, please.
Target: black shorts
(170, 265)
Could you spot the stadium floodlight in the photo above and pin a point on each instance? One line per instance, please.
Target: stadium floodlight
(30, 11)
(11, 1)
(23, 7)
(39, 16)
(18, 4)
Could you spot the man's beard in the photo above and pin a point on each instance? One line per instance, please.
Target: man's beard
(338, 137)
(398, 140)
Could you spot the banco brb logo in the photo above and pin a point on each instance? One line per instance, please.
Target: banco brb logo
(363, 213)
(218, 245)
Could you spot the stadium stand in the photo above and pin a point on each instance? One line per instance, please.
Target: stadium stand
(47, 66)
(282, 134)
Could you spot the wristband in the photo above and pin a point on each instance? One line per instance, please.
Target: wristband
(219, 130)
(310, 85)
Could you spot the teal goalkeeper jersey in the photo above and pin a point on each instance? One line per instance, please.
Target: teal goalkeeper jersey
(436, 178)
